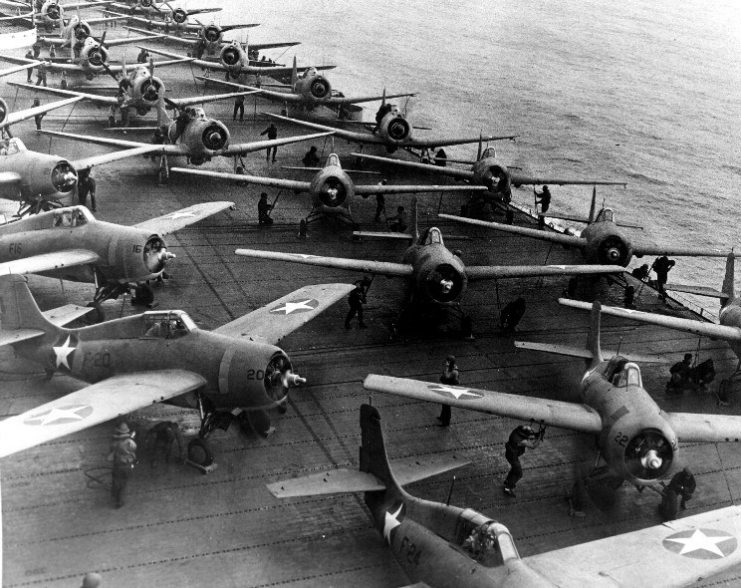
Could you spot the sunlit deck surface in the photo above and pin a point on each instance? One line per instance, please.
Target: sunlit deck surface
(181, 528)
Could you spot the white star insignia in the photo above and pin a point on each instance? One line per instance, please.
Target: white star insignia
(58, 415)
(302, 306)
(457, 393)
(391, 521)
(304, 255)
(700, 541)
(62, 353)
(181, 214)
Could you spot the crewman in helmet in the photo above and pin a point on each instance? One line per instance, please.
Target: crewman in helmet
(521, 438)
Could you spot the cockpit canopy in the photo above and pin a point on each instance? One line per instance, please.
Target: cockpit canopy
(489, 152)
(606, 215)
(622, 373)
(167, 324)
(74, 216)
(11, 146)
(309, 72)
(432, 236)
(333, 159)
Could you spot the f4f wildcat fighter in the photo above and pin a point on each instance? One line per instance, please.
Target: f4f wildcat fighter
(332, 190)
(69, 243)
(440, 545)
(170, 17)
(159, 356)
(436, 276)
(602, 241)
(638, 441)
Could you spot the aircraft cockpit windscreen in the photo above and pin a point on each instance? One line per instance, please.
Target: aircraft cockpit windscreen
(481, 545)
(333, 159)
(607, 214)
(433, 236)
(622, 373)
(71, 217)
(167, 325)
(489, 152)
(9, 147)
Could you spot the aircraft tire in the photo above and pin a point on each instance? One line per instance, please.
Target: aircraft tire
(200, 453)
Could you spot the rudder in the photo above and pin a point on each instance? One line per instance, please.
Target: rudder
(593, 338)
(18, 309)
(373, 456)
(728, 287)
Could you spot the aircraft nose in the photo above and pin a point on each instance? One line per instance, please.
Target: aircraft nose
(613, 254)
(651, 460)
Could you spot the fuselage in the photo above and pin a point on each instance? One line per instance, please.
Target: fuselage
(605, 242)
(202, 137)
(40, 174)
(730, 315)
(237, 373)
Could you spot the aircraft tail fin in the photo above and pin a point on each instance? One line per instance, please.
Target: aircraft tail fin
(18, 309)
(593, 338)
(728, 287)
(383, 97)
(294, 74)
(593, 207)
(481, 146)
(415, 220)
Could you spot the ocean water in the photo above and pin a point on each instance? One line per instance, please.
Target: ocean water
(645, 92)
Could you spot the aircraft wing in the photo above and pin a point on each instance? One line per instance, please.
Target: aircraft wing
(569, 415)
(463, 174)
(127, 40)
(283, 316)
(705, 428)
(520, 179)
(108, 100)
(294, 185)
(92, 405)
(681, 552)
(49, 261)
(369, 189)
(585, 353)
(641, 250)
(20, 115)
(252, 146)
(88, 162)
(110, 141)
(552, 236)
(385, 268)
(484, 272)
(406, 471)
(210, 98)
(248, 69)
(698, 290)
(174, 221)
(16, 68)
(672, 322)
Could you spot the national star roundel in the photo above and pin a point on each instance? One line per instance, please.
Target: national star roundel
(60, 415)
(454, 391)
(701, 543)
(294, 306)
(392, 518)
(62, 352)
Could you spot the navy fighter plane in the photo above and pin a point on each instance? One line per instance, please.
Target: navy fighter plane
(393, 131)
(308, 91)
(211, 35)
(602, 241)
(192, 135)
(173, 17)
(729, 328)
(439, 545)
(69, 243)
(436, 276)
(331, 189)
(50, 13)
(638, 441)
(487, 171)
(158, 356)
(76, 29)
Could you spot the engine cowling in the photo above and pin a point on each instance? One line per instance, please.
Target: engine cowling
(63, 177)
(54, 11)
(96, 56)
(319, 88)
(442, 281)
(395, 127)
(495, 177)
(610, 249)
(214, 136)
(641, 455)
(81, 31)
(255, 376)
(212, 34)
(179, 16)
(231, 57)
(3, 110)
(332, 191)
(151, 90)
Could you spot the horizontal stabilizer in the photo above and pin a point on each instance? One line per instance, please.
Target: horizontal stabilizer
(698, 290)
(66, 314)
(382, 235)
(585, 353)
(405, 471)
(18, 335)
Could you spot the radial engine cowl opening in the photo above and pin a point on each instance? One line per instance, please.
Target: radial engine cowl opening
(444, 283)
(82, 31)
(333, 192)
(279, 377)
(3, 110)
(613, 251)
(230, 56)
(398, 128)
(320, 88)
(212, 34)
(63, 177)
(54, 11)
(97, 56)
(151, 91)
(156, 254)
(179, 16)
(648, 455)
(215, 136)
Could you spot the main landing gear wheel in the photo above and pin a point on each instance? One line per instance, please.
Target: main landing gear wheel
(200, 456)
